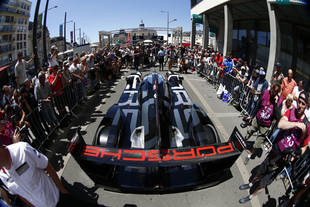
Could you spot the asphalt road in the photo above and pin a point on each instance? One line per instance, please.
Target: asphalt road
(225, 118)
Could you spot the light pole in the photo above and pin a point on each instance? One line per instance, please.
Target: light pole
(34, 37)
(44, 30)
(168, 21)
(65, 22)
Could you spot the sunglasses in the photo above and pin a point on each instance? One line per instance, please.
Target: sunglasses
(301, 102)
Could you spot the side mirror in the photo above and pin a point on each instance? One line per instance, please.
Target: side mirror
(181, 78)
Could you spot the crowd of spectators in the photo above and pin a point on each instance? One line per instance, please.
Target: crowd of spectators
(276, 112)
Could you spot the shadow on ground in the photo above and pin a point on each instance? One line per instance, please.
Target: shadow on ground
(85, 195)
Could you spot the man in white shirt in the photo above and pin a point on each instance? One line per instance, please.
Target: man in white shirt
(20, 69)
(23, 173)
(53, 57)
(296, 91)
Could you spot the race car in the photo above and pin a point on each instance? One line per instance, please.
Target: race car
(155, 140)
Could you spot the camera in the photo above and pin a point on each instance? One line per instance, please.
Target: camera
(23, 129)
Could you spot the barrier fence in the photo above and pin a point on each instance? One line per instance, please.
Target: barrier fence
(238, 92)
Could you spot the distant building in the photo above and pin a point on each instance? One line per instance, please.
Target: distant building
(136, 35)
(14, 18)
(187, 37)
(142, 33)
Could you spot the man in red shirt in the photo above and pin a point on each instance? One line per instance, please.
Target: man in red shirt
(219, 60)
(56, 82)
(288, 84)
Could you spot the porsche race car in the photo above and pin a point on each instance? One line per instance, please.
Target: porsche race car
(155, 140)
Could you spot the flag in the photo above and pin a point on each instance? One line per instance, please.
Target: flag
(40, 18)
(128, 37)
(71, 36)
(61, 26)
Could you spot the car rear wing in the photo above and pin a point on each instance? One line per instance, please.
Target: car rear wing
(225, 153)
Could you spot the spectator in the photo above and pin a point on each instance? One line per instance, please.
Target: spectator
(258, 89)
(287, 104)
(228, 64)
(15, 115)
(20, 69)
(288, 84)
(184, 65)
(136, 58)
(161, 55)
(22, 166)
(29, 105)
(307, 111)
(262, 121)
(66, 73)
(7, 96)
(84, 69)
(56, 82)
(278, 75)
(241, 77)
(43, 95)
(53, 57)
(290, 139)
(171, 55)
(7, 134)
(219, 60)
(16, 97)
(91, 73)
(78, 78)
(296, 91)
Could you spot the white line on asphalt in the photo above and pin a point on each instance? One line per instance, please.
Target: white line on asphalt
(222, 115)
(192, 79)
(243, 171)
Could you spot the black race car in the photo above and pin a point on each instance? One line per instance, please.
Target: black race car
(155, 140)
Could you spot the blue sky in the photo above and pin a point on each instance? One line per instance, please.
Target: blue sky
(95, 15)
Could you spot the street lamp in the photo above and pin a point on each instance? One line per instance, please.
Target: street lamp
(168, 21)
(65, 22)
(54, 7)
(34, 35)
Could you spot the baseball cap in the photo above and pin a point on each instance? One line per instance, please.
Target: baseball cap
(278, 64)
(54, 47)
(243, 68)
(262, 72)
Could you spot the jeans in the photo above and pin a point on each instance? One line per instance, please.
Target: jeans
(49, 115)
(274, 135)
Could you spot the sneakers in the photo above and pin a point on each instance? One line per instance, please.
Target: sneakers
(244, 186)
(244, 200)
(246, 160)
(243, 125)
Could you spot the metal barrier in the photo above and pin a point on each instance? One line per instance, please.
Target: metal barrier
(62, 104)
(238, 91)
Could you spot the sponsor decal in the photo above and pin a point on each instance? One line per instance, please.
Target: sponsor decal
(158, 155)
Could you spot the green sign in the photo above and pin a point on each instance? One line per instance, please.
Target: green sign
(197, 19)
(40, 18)
(286, 2)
